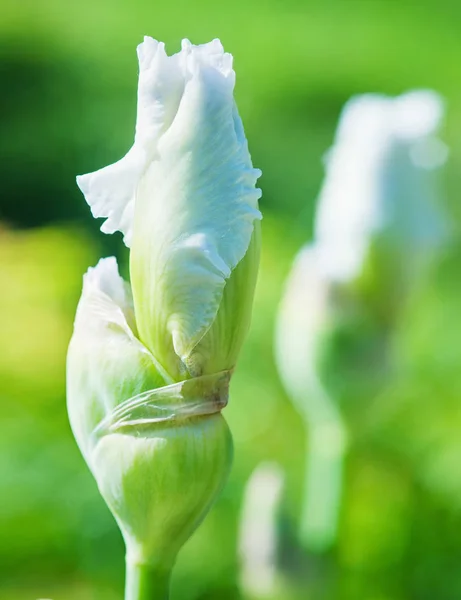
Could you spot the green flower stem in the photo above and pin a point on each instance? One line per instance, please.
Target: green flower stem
(324, 470)
(323, 486)
(147, 582)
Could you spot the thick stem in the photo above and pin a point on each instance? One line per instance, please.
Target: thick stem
(147, 582)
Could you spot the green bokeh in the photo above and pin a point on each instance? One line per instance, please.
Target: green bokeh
(67, 106)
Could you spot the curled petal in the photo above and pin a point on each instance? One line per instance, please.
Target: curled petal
(110, 192)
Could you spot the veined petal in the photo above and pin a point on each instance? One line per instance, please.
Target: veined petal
(195, 210)
(106, 363)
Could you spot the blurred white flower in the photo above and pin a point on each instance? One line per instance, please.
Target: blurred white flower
(380, 175)
(380, 194)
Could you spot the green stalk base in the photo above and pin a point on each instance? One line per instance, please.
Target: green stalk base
(146, 582)
(323, 485)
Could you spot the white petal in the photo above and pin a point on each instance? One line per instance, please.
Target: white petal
(377, 177)
(160, 87)
(106, 362)
(106, 299)
(110, 191)
(417, 114)
(195, 209)
(304, 314)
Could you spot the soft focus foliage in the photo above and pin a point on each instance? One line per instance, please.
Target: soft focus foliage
(71, 73)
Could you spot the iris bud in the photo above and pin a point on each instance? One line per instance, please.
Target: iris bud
(149, 364)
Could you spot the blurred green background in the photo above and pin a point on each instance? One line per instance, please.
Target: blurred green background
(69, 73)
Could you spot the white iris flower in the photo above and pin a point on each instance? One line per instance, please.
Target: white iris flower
(377, 216)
